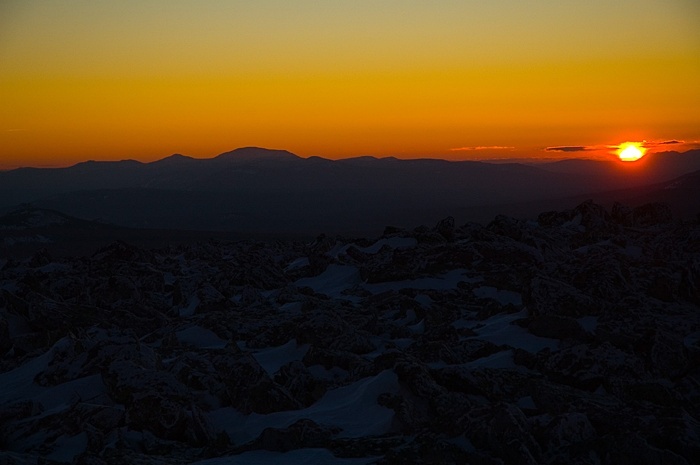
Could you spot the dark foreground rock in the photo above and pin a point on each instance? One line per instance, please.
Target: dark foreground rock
(571, 340)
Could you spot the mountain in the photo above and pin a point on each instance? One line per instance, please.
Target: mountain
(654, 167)
(256, 154)
(174, 159)
(682, 195)
(255, 190)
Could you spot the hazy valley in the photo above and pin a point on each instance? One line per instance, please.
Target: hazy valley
(276, 193)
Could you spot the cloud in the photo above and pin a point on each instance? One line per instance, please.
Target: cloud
(490, 147)
(568, 148)
(652, 144)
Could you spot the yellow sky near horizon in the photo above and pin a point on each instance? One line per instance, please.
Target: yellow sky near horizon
(144, 79)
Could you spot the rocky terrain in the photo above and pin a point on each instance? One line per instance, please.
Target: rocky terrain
(573, 339)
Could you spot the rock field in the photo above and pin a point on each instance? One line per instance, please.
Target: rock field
(573, 339)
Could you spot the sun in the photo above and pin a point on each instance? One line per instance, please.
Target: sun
(630, 151)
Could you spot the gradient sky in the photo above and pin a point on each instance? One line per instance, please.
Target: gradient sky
(98, 79)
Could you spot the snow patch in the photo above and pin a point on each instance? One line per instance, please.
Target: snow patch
(19, 383)
(393, 242)
(588, 323)
(424, 300)
(503, 359)
(298, 263)
(499, 330)
(191, 306)
(501, 296)
(200, 337)
(333, 281)
(274, 358)
(526, 403)
(352, 408)
(293, 308)
(68, 447)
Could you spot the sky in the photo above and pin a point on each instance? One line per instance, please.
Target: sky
(454, 79)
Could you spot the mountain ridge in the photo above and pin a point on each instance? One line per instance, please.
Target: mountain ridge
(253, 189)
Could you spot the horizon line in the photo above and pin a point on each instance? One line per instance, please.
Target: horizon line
(490, 160)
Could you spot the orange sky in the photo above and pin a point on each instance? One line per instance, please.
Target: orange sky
(505, 78)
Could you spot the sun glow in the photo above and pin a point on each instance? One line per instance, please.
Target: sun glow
(630, 151)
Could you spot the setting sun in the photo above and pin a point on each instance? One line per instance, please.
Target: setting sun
(630, 151)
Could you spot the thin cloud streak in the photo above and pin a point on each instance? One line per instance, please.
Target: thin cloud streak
(652, 144)
(569, 148)
(593, 148)
(489, 147)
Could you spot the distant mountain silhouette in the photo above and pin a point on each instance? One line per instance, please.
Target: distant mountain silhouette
(255, 153)
(260, 190)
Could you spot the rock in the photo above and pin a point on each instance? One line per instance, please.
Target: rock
(5, 340)
(588, 368)
(149, 356)
(298, 380)
(652, 214)
(594, 217)
(554, 218)
(565, 430)
(668, 355)
(446, 228)
(504, 431)
(119, 252)
(630, 448)
(556, 327)
(547, 296)
(431, 449)
(655, 392)
(248, 387)
(210, 299)
(495, 384)
(622, 215)
(301, 434)
(40, 258)
(416, 377)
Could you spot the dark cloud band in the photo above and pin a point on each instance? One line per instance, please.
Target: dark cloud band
(568, 148)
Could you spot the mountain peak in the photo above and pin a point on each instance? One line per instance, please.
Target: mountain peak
(256, 153)
(174, 158)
